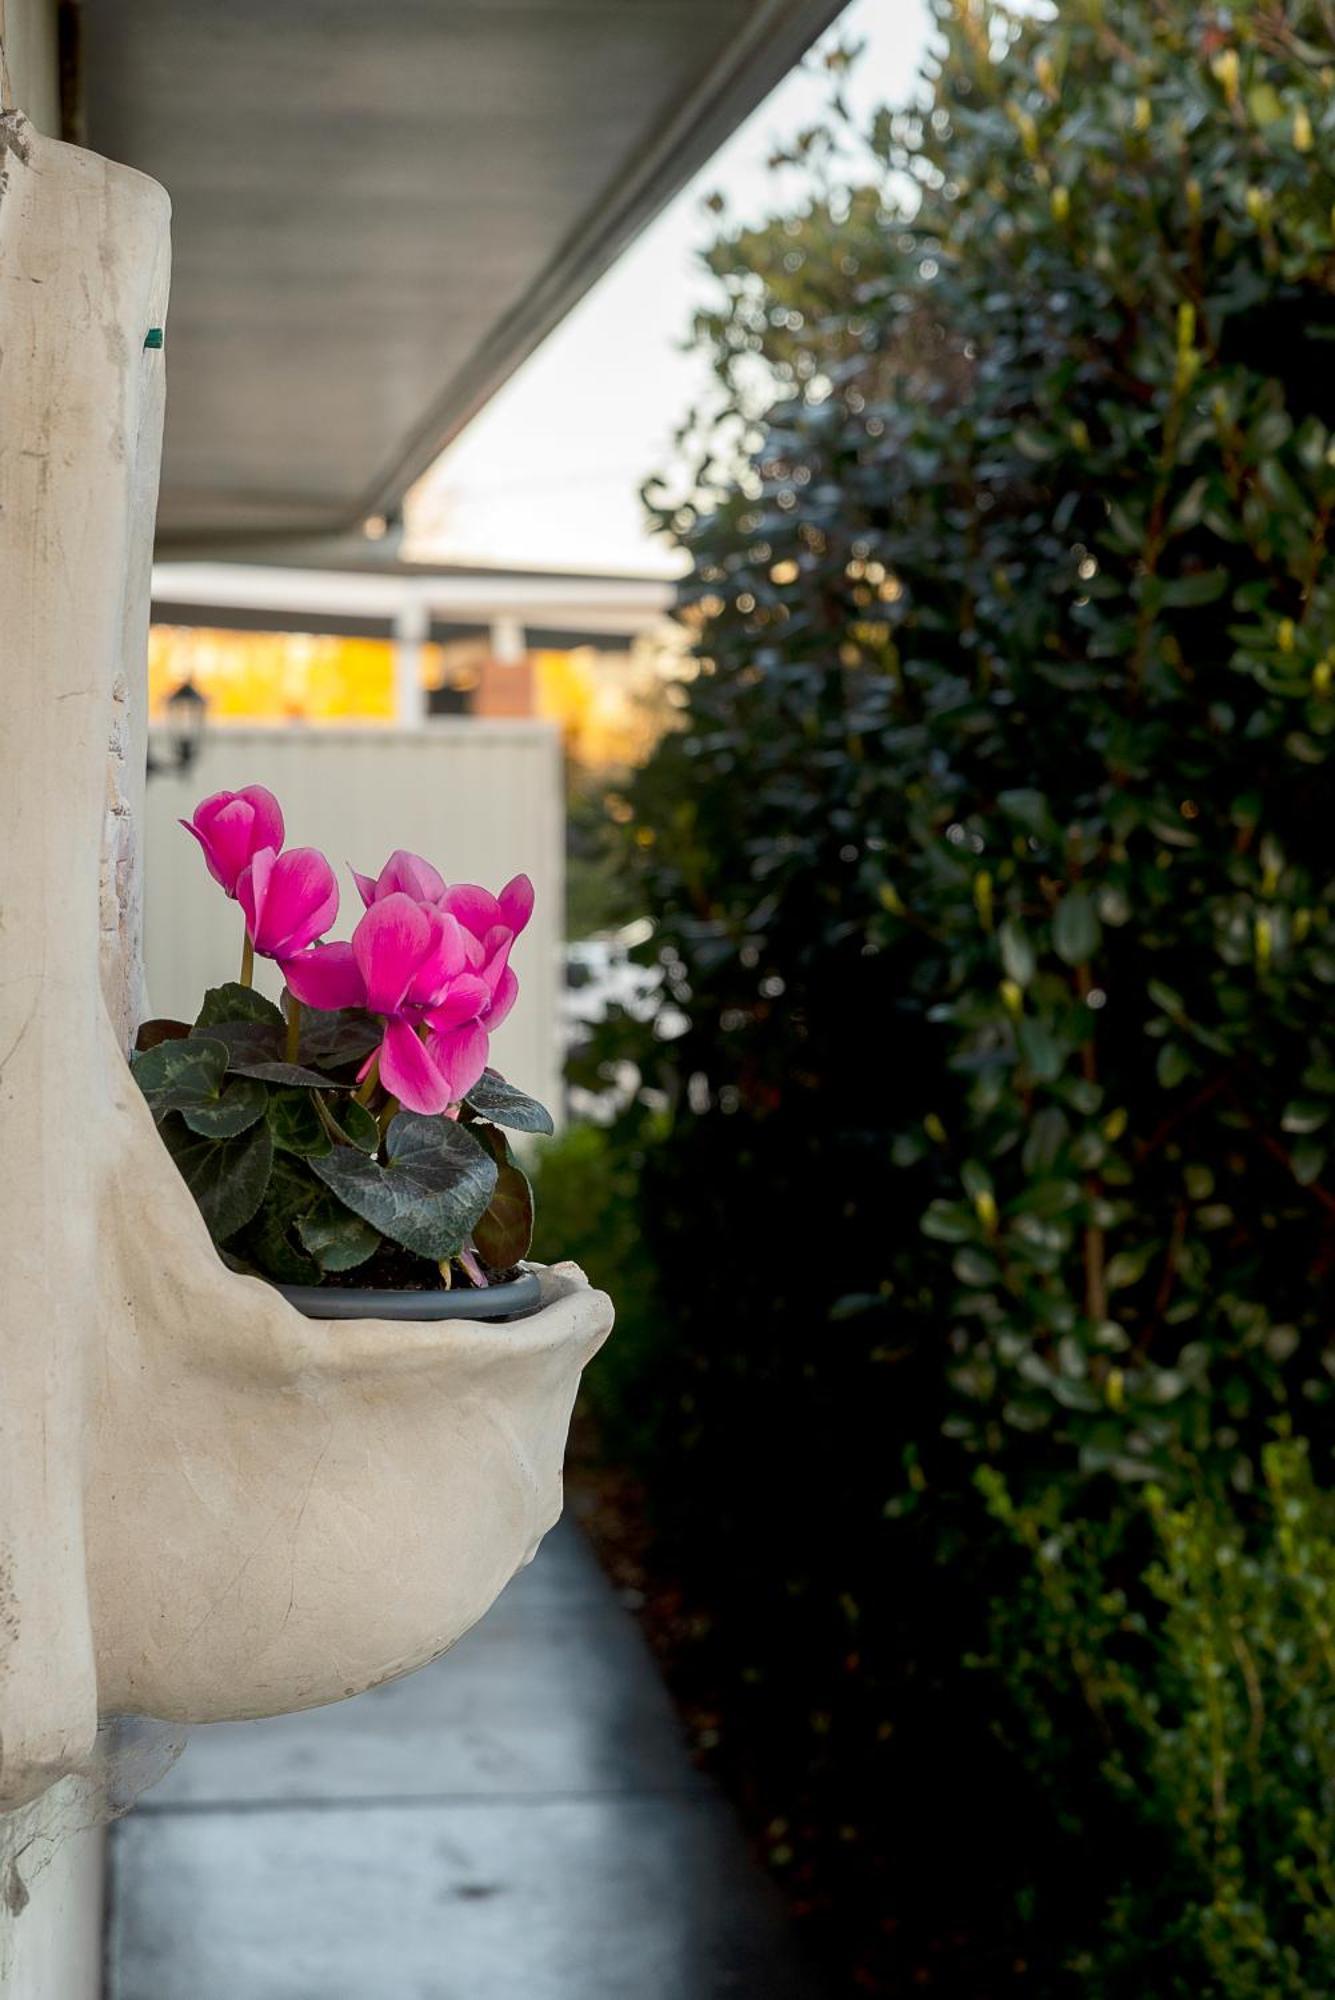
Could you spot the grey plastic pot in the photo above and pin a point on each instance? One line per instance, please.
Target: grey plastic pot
(497, 1302)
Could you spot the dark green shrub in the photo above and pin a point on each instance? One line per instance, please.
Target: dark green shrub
(1217, 1720)
(992, 868)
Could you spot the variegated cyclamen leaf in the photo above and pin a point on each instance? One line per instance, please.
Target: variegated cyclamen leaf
(437, 1183)
(499, 1101)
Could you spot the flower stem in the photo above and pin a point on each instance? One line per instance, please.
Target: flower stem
(472, 1263)
(293, 1047)
(247, 962)
(390, 1111)
(369, 1082)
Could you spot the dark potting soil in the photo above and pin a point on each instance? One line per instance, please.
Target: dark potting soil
(394, 1269)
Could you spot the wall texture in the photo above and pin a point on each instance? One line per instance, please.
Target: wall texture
(51, 1876)
(482, 800)
(30, 44)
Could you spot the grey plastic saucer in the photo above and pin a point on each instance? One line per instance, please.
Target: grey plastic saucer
(513, 1301)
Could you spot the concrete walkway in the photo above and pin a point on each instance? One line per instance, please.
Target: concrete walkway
(518, 1822)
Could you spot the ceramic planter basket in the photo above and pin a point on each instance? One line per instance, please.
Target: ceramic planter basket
(211, 1506)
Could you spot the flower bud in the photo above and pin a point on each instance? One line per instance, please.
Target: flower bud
(1302, 130)
(1225, 68)
(1060, 203)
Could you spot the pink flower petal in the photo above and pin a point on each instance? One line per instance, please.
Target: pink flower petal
(443, 958)
(298, 901)
(252, 888)
(503, 999)
(390, 943)
(496, 947)
(365, 887)
(460, 1055)
(408, 1072)
(413, 876)
(326, 976)
(225, 836)
(516, 901)
(231, 827)
(268, 829)
(476, 909)
(464, 999)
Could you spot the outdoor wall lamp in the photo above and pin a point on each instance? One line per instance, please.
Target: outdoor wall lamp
(187, 716)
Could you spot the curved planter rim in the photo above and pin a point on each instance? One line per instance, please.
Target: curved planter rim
(515, 1300)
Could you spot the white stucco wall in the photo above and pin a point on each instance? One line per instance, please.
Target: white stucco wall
(51, 1902)
(30, 44)
(51, 1889)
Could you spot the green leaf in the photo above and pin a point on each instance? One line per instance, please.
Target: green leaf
(1041, 1050)
(1128, 1267)
(152, 1032)
(1075, 929)
(504, 1234)
(234, 1002)
(1173, 1066)
(1028, 808)
(241, 1103)
(1200, 587)
(1017, 953)
(227, 1177)
(504, 1105)
(256, 1049)
(176, 1072)
(356, 1122)
(1309, 1158)
(437, 1184)
(295, 1123)
(333, 1040)
(950, 1222)
(1305, 1114)
(268, 1242)
(336, 1238)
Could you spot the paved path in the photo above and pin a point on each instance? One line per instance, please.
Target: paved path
(518, 1822)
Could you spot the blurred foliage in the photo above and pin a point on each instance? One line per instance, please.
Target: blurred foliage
(600, 895)
(1217, 1720)
(991, 867)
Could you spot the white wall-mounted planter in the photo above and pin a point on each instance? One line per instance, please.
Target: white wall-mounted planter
(210, 1506)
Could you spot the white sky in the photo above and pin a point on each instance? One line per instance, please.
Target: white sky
(548, 476)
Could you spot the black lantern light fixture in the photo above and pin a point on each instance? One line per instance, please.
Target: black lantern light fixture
(187, 712)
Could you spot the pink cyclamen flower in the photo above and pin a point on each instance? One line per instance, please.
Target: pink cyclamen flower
(490, 923)
(403, 874)
(232, 827)
(289, 900)
(408, 963)
(490, 926)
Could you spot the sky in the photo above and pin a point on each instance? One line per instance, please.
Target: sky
(548, 476)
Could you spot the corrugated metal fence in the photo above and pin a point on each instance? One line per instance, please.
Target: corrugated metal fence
(483, 800)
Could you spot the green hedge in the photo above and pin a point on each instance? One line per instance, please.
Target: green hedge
(991, 866)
